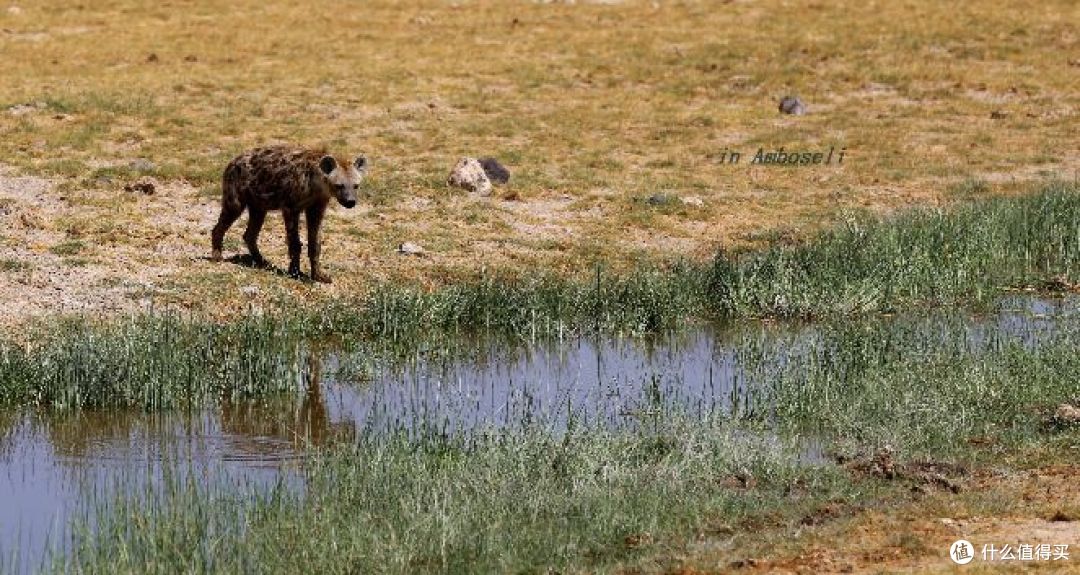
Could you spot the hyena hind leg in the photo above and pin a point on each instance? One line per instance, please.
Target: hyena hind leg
(229, 214)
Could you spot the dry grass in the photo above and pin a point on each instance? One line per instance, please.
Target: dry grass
(596, 108)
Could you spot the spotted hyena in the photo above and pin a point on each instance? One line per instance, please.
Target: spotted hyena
(291, 179)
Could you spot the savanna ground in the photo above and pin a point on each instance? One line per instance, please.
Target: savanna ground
(614, 120)
(595, 108)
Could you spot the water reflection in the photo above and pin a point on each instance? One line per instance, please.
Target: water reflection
(266, 429)
(613, 383)
(55, 466)
(9, 421)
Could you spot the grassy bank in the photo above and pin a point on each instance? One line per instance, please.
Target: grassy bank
(150, 362)
(908, 262)
(969, 253)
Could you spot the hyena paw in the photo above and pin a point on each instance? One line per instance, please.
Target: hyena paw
(322, 278)
(215, 256)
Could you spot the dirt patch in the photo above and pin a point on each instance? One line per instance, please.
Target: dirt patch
(79, 251)
(1022, 508)
(921, 475)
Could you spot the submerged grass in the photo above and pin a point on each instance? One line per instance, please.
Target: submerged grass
(590, 500)
(607, 500)
(925, 387)
(494, 504)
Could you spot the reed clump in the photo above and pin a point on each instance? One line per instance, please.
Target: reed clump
(968, 254)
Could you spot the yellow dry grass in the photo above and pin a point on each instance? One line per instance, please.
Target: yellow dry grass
(596, 108)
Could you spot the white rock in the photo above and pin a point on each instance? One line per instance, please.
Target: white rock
(22, 109)
(1067, 414)
(410, 249)
(469, 174)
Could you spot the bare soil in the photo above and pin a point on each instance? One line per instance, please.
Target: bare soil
(1032, 507)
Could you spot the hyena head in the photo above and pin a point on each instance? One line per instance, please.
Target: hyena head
(344, 179)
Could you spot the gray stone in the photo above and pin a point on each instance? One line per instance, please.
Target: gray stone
(142, 165)
(792, 105)
(662, 199)
(495, 171)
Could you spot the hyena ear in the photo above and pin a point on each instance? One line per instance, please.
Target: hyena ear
(327, 164)
(360, 162)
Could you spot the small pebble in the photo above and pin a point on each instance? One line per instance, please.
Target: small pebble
(144, 184)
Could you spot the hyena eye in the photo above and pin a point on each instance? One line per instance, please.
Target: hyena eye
(355, 187)
(340, 187)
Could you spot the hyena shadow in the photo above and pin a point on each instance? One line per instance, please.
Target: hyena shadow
(249, 262)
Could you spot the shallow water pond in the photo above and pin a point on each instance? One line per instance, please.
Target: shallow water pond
(54, 467)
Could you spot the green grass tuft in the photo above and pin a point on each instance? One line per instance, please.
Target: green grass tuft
(969, 254)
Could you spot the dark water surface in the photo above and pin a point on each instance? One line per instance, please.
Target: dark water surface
(54, 467)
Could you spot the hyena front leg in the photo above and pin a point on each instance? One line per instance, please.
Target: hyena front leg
(314, 216)
(292, 232)
(256, 217)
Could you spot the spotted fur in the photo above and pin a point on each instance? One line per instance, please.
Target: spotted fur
(294, 180)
